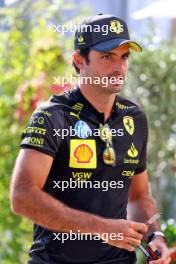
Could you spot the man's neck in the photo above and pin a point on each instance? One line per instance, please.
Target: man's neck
(102, 102)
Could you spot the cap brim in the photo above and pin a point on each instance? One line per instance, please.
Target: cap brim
(114, 43)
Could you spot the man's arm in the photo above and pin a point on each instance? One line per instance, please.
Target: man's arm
(28, 199)
(141, 207)
(141, 204)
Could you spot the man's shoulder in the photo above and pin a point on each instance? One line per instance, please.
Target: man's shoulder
(56, 104)
(127, 105)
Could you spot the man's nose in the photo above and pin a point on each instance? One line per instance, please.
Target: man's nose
(120, 66)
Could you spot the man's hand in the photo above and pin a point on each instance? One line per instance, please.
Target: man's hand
(159, 244)
(132, 233)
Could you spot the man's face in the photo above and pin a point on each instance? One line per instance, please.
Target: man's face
(111, 67)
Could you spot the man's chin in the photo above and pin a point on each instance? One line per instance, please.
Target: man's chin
(115, 88)
(112, 89)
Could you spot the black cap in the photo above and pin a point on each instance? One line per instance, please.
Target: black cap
(103, 33)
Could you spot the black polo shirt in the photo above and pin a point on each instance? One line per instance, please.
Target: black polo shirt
(78, 158)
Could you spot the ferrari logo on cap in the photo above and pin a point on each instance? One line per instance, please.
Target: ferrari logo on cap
(116, 26)
(129, 124)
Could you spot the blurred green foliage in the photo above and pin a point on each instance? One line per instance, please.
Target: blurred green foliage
(31, 54)
(169, 229)
(151, 83)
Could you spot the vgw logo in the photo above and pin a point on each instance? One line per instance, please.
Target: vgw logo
(81, 176)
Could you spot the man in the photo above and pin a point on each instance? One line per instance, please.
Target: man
(49, 164)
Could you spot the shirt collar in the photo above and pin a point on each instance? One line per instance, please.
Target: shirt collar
(90, 110)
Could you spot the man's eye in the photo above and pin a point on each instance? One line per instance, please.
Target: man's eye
(126, 56)
(107, 57)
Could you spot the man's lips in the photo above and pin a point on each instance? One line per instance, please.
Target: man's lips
(116, 79)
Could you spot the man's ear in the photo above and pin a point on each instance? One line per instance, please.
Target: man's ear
(77, 59)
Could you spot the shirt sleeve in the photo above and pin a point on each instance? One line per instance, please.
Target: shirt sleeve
(39, 132)
(143, 155)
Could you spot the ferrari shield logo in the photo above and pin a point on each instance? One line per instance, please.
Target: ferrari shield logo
(129, 124)
(116, 26)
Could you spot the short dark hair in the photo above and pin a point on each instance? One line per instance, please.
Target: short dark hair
(85, 54)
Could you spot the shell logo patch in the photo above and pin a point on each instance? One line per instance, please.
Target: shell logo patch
(83, 154)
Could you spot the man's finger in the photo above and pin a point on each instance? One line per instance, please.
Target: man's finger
(165, 258)
(133, 242)
(161, 261)
(139, 227)
(129, 247)
(135, 234)
(163, 249)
